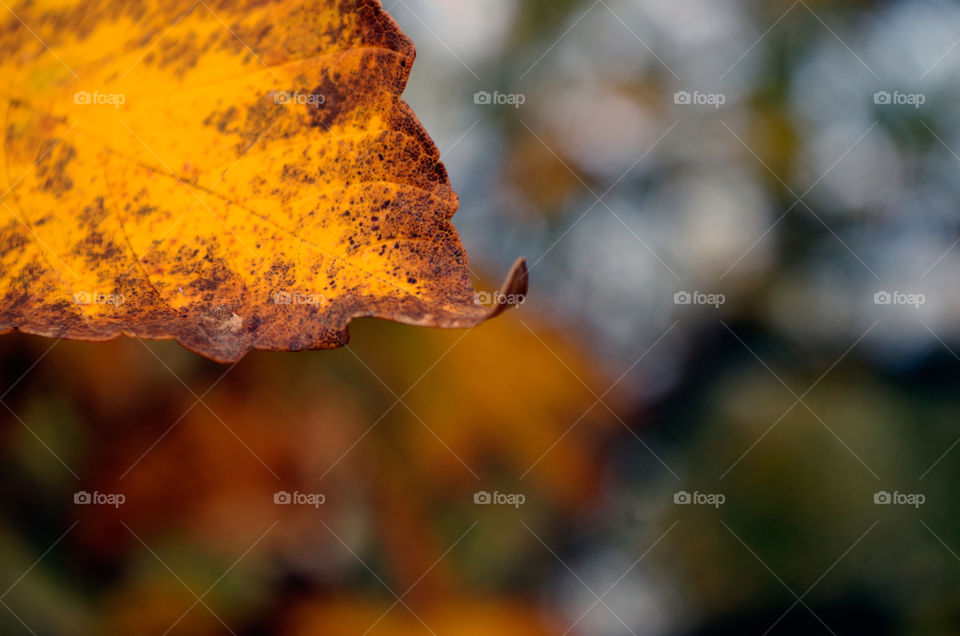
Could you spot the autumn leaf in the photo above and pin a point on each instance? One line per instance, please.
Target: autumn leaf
(232, 175)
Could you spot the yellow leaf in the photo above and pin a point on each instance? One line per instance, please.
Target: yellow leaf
(231, 174)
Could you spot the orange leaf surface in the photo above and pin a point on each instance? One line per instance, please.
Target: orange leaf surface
(230, 174)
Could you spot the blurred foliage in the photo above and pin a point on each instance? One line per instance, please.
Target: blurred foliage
(199, 480)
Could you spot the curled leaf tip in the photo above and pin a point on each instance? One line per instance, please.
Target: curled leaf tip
(514, 289)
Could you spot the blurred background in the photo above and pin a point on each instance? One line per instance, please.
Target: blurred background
(728, 405)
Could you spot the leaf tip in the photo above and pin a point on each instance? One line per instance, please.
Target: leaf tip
(514, 288)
